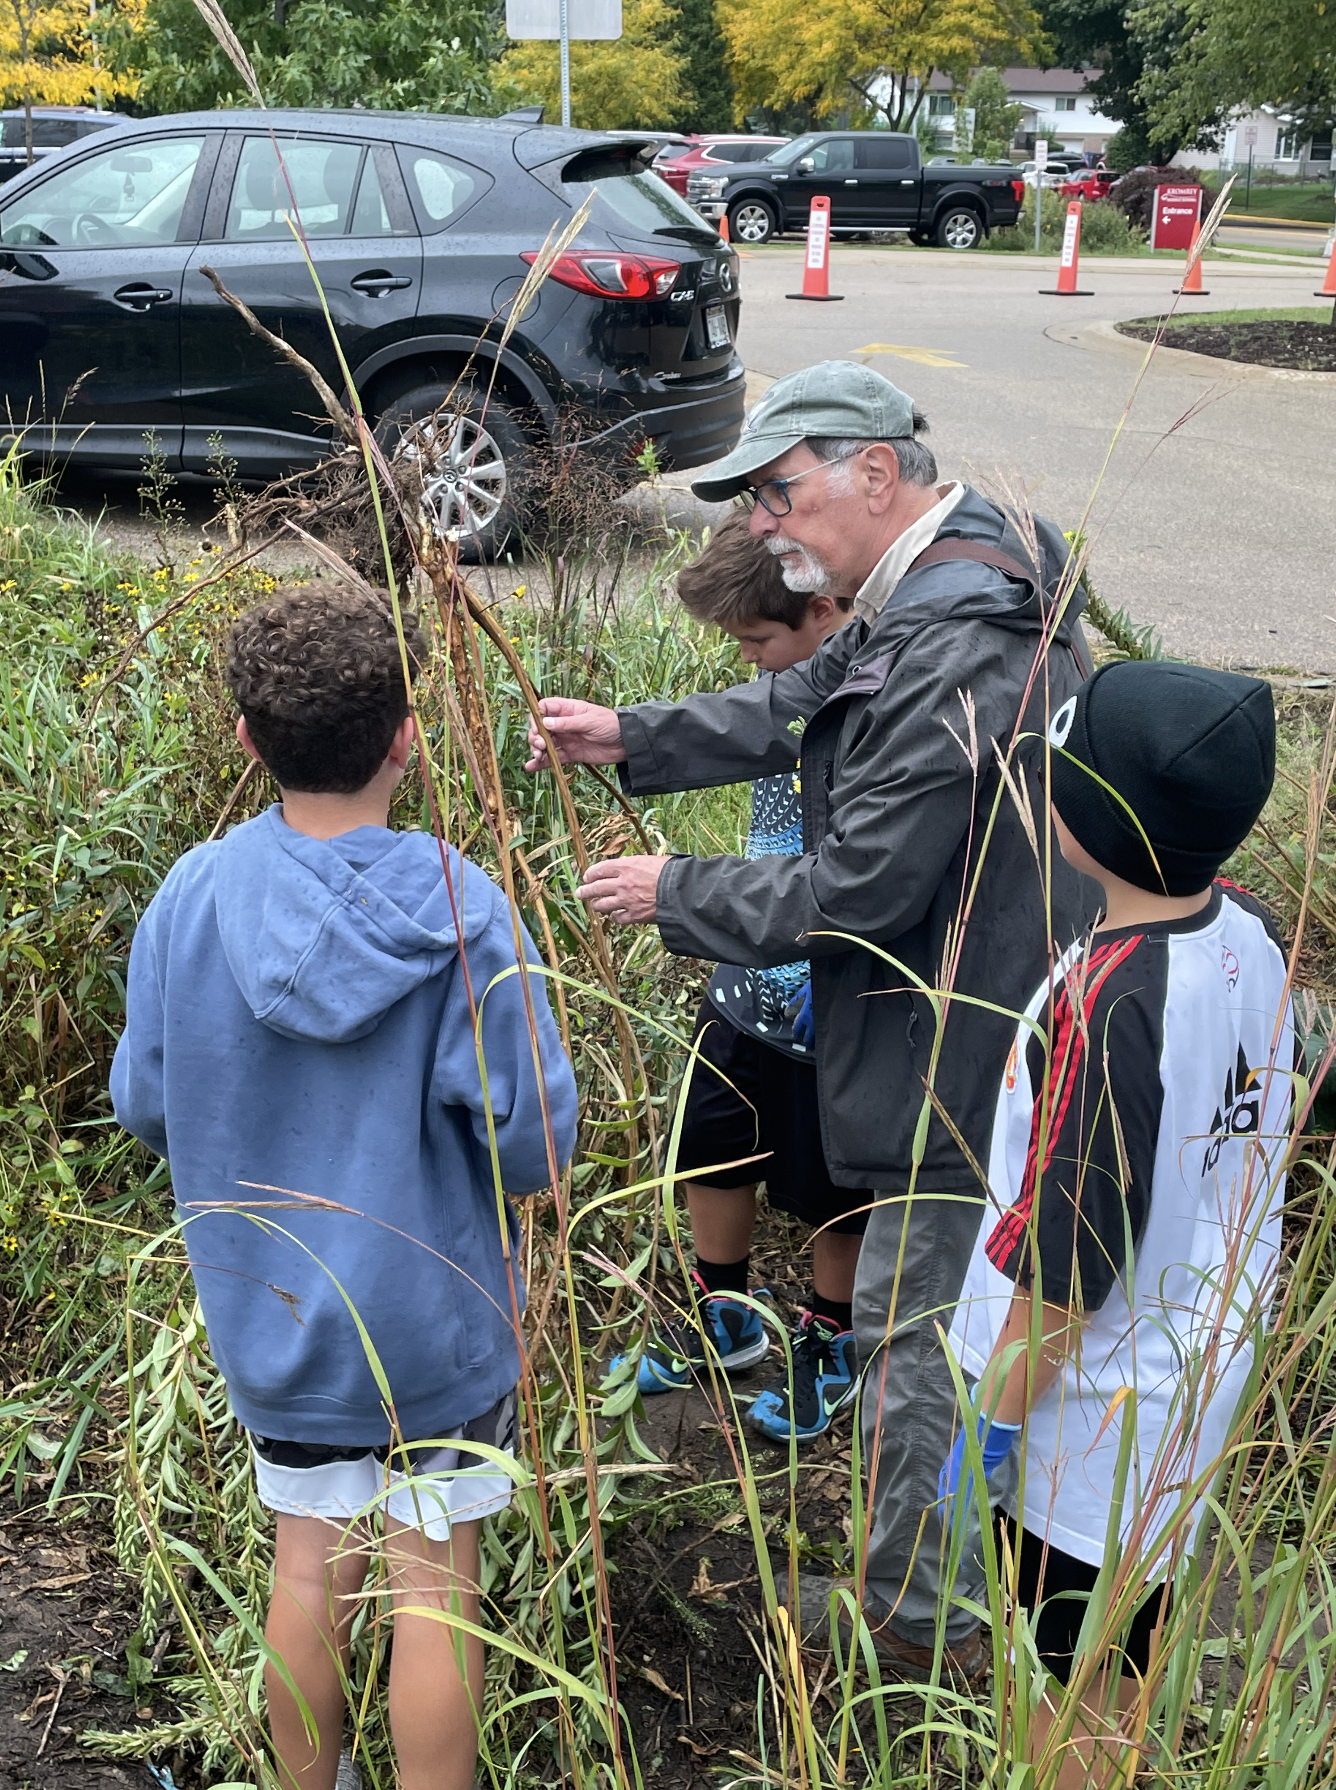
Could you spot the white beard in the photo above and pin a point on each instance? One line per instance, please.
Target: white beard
(809, 575)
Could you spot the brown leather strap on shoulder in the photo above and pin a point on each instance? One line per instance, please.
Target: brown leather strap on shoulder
(952, 547)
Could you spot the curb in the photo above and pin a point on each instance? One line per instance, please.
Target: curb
(1177, 360)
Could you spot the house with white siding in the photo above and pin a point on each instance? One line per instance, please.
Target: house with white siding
(1056, 103)
(1271, 140)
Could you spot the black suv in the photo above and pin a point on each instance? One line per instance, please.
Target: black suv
(421, 228)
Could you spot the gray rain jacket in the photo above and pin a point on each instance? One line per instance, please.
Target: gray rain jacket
(896, 826)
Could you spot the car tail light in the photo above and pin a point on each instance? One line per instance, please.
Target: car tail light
(1018, 187)
(611, 275)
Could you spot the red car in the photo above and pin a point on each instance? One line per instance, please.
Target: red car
(1090, 183)
(675, 162)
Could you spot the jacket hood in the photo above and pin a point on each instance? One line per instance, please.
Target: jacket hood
(965, 590)
(324, 936)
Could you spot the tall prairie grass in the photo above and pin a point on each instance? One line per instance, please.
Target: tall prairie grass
(117, 754)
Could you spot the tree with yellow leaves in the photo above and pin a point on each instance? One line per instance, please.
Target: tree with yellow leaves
(49, 55)
(876, 56)
(633, 82)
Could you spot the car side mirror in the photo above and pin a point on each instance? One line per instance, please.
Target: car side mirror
(806, 164)
(27, 266)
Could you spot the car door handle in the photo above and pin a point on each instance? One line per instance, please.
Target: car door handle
(139, 297)
(851, 183)
(909, 183)
(377, 282)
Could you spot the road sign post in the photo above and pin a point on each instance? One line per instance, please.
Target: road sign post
(1040, 169)
(563, 21)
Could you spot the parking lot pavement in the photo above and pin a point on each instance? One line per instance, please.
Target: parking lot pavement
(1213, 518)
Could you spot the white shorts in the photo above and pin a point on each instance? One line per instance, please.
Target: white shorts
(446, 1485)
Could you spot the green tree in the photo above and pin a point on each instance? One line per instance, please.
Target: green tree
(996, 116)
(705, 56)
(878, 55)
(50, 55)
(1095, 33)
(633, 82)
(396, 53)
(1209, 58)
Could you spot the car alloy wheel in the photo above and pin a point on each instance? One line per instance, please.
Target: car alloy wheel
(960, 230)
(463, 474)
(752, 222)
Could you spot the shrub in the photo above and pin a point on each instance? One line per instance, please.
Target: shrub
(1104, 230)
(1134, 194)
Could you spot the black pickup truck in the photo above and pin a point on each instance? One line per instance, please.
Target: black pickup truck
(875, 180)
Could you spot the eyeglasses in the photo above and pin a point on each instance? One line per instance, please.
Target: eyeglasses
(773, 495)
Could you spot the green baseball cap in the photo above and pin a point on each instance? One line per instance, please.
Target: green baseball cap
(839, 399)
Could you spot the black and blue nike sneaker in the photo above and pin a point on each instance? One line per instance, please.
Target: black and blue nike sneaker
(675, 1357)
(825, 1380)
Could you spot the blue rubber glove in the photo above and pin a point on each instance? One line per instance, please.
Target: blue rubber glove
(804, 1025)
(996, 1441)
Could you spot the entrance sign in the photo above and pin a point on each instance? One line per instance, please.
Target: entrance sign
(1174, 216)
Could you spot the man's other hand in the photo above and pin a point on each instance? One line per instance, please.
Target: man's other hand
(582, 732)
(625, 888)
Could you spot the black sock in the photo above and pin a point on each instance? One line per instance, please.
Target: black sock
(724, 1277)
(839, 1312)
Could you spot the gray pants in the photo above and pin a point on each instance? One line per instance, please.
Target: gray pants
(910, 1411)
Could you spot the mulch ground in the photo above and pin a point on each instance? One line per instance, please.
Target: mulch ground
(686, 1593)
(65, 1618)
(1306, 347)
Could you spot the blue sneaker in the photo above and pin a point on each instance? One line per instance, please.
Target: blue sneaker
(825, 1380)
(675, 1356)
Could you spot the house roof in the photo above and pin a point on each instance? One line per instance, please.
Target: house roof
(1030, 80)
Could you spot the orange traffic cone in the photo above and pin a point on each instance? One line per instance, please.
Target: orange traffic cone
(1329, 284)
(1071, 257)
(816, 267)
(1192, 285)
(723, 229)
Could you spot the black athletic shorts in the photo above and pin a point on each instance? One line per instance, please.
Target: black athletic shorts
(719, 1126)
(1065, 1593)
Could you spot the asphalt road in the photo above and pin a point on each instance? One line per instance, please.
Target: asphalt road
(1212, 518)
(1210, 507)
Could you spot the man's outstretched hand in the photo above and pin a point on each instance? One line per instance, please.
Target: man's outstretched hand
(624, 888)
(582, 732)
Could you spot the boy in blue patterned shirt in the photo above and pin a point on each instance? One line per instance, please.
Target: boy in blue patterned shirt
(753, 1088)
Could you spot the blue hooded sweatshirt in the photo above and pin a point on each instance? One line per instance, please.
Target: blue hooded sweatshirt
(297, 1017)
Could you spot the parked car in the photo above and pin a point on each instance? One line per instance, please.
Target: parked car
(1089, 183)
(875, 180)
(421, 229)
(677, 163)
(53, 128)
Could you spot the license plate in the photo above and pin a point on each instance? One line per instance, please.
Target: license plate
(716, 326)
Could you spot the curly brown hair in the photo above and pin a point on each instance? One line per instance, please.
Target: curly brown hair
(317, 674)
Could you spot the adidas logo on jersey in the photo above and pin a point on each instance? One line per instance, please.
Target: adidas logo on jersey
(1239, 1113)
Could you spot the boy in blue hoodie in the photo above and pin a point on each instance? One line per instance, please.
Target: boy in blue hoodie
(300, 1044)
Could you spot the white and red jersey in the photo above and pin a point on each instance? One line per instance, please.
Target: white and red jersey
(1136, 1174)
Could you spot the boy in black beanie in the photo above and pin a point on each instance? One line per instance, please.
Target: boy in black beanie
(1136, 1169)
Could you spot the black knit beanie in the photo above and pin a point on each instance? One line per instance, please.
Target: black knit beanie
(1192, 752)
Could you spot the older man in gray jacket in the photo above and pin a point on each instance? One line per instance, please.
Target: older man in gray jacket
(927, 897)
